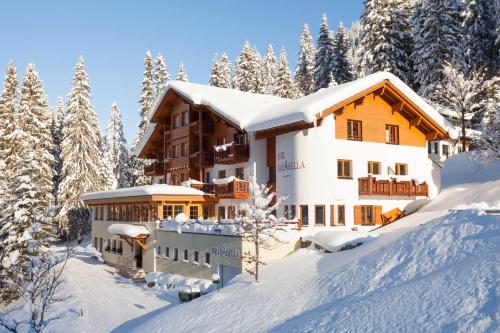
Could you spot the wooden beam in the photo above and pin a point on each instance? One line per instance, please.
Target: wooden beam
(339, 111)
(138, 241)
(431, 136)
(397, 107)
(128, 242)
(415, 121)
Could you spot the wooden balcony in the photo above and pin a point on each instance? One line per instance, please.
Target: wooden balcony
(156, 168)
(237, 189)
(207, 160)
(206, 127)
(235, 153)
(370, 186)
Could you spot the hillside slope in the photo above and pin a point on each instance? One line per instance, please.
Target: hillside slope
(434, 270)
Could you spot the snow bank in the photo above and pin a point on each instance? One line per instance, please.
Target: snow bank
(460, 169)
(334, 240)
(227, 227)
(130, 230)
(179, 282)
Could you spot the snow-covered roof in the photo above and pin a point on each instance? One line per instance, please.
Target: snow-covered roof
(130, 230)
(156, 189)
(147, 134)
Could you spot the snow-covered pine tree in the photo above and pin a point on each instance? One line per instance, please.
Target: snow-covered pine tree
(106, 166)
(437, 40)
(80, 155)
(488, 144)
(324, 56)
(247, 71)
(161, 74)
(9, 149)
(354, 45)
(226, 72)
(58, 113)
(117, 147)
(386, 37)
(269, 71)
(182, 74)
(136, 165)
(285, 86)
(479, 37)
(304, 71)
(497, 31)
(342, 71)
(215, 72)
(36, 122)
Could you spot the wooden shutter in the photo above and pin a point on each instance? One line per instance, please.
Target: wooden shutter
(378, 214)
(357, 215)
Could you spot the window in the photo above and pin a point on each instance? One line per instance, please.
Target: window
(207, 177)
(184, 149)
(367, 215)
(344, 168)
(231, 212)
(207, 258)
(206, 212)
(220, 141)
(374, 168)
(354, 130)
(120, 248)
(168, 211)
(222, 174)
(158, 251)
(177, 151)
(392, 134)
(167, 252)
(183, 177)
(285, 212)
(222, 212)
(401, 169)
(100, 244)
(239, 173)
(293, 212)
(95, 242)
(193, 212)
(185, 118)
(304, 215)
(114, 246)
(176, 254)
(178, 209)
(177, 121)
(186, 255)
(433, 147)
(341, 215)
(446, 150)
(319, 213)
(196, 255)
(102, 212)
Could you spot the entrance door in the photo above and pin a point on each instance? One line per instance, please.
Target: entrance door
(227, 273)
(138, 255)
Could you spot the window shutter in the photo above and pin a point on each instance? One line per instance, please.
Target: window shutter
(378, 214)
(357, 215)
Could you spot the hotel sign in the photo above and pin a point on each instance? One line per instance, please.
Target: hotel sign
(223, 252)
(284, 165)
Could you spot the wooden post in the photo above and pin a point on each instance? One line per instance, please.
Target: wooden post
(370, 185)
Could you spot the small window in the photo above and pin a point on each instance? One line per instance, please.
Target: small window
(446, 150)
(196, 255)
(120, 248)
(304, 215)
(392, 134)
(341, 215)
(319, 213)
(185, 118)
(193, 212)
(222, 174)
(293, 212)
(177, 121)
(374, 168)
(177, 151)
(186, 255)
(167, 252)
(222, 212)
(401, 169)
(207, 258)
(344, 168)
(367, 215)
(239, 173)
(285, 212)
(184, 149)
(231, 212)
(354, 130)
(176, 254)
(178, 209)
(158, 251)
(168, 211)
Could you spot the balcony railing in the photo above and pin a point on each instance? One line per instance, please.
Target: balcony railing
(156, 168)
(207, 160)
(237, 189)
(408, 188)
(235, 153)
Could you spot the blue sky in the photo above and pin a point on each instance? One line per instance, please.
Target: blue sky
(114, 35)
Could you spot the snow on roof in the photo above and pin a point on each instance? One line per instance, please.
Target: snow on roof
(130, 230)
(149, 131)
(306, 108)
(237, 106)
(156, 189)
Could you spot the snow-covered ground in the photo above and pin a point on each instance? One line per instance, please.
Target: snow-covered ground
(435, 270)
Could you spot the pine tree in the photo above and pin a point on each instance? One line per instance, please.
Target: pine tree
(479, 37)
(136, 165)
(226, 70)
(215, 72)
(285, 86)
(56, 132)
(437, 40)
(342, 71)
(386, 37)
(36, 121)
(80, 155)
(355, 51)
(182, 74)
(161, 74)
(247, 71)
(269, 71)
(117, 148)
(304, 71)
(324, 56)
(106, 166)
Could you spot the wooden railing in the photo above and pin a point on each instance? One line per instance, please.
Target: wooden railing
(156, 168)
(237, 189)
(235, 153)
(409, 188)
